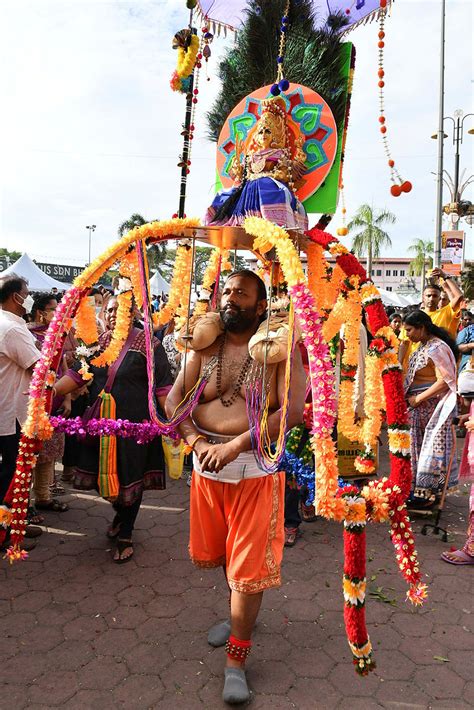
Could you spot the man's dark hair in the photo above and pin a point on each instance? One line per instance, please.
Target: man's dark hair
(261, 288)
(435, 286)
(10, 285)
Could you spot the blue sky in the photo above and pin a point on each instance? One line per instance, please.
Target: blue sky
(91, 128)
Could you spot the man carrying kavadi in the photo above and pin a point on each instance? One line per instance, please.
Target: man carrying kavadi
(237, 510)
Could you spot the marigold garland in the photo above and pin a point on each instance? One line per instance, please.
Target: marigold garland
(120, 332)
(180, 285)
(213, 267)
(151, 232)
(376, 502)
(86, 324)
(384, 499)
(316, 270)
(130, 269)
(187, 58)
(37, 427)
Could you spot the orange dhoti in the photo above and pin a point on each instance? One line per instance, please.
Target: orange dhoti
(239, 526)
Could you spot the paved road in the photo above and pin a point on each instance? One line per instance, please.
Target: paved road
(80, 632)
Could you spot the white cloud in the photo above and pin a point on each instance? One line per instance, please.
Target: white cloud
(91, 128)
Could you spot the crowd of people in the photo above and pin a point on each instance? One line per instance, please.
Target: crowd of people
(240, 517)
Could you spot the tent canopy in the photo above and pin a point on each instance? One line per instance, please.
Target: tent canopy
(37, 279)
(230, 14)
(390, 298)
(158, 285)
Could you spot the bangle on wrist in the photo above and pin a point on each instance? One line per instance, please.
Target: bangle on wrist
(193, 443)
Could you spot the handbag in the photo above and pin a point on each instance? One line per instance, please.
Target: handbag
(93, 410)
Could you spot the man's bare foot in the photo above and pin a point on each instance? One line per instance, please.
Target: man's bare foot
(124, 551)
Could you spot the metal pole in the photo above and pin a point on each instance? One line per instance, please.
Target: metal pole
(439, 179)
(457, 142)
(90, 240)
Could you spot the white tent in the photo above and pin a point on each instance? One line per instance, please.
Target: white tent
(158, 285)
(390, 298)
(37, 279)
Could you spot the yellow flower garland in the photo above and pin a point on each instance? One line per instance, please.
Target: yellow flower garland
(180, 285)
(210, 274)
(153, 231)
(367, 431)
(268, 235)
(121, 331)
(187, 58)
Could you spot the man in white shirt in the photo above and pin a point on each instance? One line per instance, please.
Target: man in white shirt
(18, 354)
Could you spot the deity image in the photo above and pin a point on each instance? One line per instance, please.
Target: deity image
(268, 168)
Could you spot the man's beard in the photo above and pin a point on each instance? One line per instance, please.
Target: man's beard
(238, 320)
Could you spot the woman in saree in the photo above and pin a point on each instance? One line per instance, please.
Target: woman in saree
(133, 467)
(430, 388)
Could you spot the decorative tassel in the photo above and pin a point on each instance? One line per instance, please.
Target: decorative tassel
(108, 479)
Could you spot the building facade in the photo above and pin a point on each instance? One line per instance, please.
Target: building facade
(392, 273)
(389, 273)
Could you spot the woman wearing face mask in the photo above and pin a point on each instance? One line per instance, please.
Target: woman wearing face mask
(53, 449)
(430, 388)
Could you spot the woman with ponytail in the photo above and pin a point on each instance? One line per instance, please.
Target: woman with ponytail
(430, 388)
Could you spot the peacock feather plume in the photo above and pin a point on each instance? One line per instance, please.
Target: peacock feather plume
(312, 57)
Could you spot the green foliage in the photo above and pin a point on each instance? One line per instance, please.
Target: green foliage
(423, 251)
(312, 57)
(11, 255)
(157, 253)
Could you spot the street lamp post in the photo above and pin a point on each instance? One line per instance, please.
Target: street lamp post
(439, 177)
(91, 228)
(457, 207)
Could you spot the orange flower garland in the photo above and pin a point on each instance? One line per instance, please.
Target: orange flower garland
(130, 269)
(317, 265)
(121, 331)
(86, 324)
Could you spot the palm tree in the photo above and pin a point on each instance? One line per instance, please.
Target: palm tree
(135, 220)
(370, 238)
(156, 253)
(467, 280)
(423, 257)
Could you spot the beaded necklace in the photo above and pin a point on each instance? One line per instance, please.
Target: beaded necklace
(240, 379)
